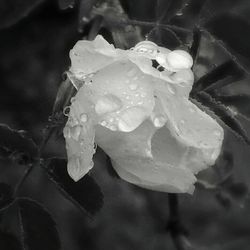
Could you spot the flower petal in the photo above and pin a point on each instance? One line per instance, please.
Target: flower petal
(79, 134)
(190, 125)
(123, 96)
(135, 162)
(89, 56)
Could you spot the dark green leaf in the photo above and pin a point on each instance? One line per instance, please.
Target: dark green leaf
(6, 195)
(167, 9)
(224, 114)
(233, 34)
(240, 102)
(16, 143)
(11, 11)
(38, 229)
(219, 77)
(85, 193)
(194, 50)
(9, 242)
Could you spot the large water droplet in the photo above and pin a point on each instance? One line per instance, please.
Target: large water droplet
(107, 104)
(131, 118)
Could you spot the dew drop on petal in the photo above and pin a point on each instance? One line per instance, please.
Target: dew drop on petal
(131, 118)
(159, 121)
(75, 132)
(113, 127)
(104, 123)
(83, 118)
(217, 133)
(133, 86)
(108, 103)
(66, 110)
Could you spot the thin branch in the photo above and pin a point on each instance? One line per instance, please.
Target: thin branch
(174, 225)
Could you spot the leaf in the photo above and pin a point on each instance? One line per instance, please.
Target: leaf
(232, 33)
(224, 114)
(6, 195)
(16, 142)
(219, 77)
(11, 11)
(66, 4)
(165, 37)
(38, 229)
(9, 242)
(167, 9)
(194, 50)
(85, 194)
(239, 102)
(189, 15)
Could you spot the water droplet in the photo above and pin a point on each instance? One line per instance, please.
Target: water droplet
(179, 13)
(131, 118)
(113, 127)
(83, 118)
(170, 89)
(66, 110)
(159, 121)
(104, 123)
(182, 122)
(140, 102)
(143, 95)
(108, 103)
(217, 133)
(127, 97)
(72, 99)
(75, 132)
(133, 86)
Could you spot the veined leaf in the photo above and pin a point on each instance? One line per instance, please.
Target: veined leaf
(38, 229)
(85, 193)
(224, 114)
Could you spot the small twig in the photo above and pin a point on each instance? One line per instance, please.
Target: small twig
(174, 226)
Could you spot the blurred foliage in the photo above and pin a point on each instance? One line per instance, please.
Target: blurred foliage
(40, 206)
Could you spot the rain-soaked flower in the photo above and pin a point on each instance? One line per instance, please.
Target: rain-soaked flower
(139, 115)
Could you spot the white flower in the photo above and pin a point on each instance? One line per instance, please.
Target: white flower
(139, 115)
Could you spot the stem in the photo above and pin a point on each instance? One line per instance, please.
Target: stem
(174, 226)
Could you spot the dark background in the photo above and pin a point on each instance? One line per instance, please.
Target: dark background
(48, 210)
